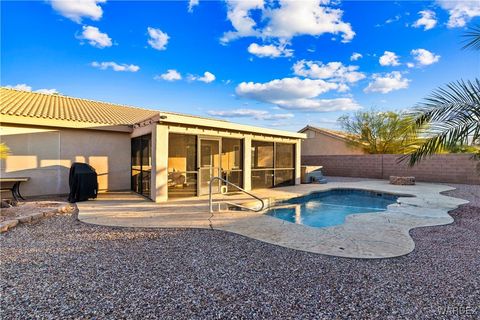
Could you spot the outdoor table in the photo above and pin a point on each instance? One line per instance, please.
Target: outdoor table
(15, 188)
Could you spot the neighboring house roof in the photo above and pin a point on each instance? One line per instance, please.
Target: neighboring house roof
(329, 132)
(33, 108)
(341, 135)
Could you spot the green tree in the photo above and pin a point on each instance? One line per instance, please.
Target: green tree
(378, 132)
(450, 116)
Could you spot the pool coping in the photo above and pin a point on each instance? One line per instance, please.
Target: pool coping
(366, 235)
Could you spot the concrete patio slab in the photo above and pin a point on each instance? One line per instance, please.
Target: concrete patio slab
(371, 235)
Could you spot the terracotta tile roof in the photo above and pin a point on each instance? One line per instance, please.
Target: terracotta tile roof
(46, 106)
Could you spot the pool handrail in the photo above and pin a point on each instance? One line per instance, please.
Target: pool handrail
(211, 202)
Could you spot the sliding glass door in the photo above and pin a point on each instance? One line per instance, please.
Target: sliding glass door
(141, 164)
(209, 164)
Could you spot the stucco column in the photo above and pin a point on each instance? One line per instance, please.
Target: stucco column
(247, 163)
(159, 183)
(298, 161)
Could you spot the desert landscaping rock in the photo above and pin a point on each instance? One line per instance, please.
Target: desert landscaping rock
(60, 268)
(25, 219)
(403, 181)
(28, 212)
(37, 216)
(7, 224)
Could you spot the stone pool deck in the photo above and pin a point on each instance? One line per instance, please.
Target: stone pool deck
(375, 235)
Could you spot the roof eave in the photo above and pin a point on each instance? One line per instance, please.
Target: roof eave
(42, 122)
(211, 123)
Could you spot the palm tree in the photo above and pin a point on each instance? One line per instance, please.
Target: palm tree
(450, 115)
(472, 38)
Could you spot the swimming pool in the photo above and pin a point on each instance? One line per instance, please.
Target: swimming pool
(330, 208)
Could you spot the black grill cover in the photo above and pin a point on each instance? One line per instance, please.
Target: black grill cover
(83, 182)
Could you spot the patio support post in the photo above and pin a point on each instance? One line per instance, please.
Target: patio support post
(298, 162)
(159, 190)
(247, 163)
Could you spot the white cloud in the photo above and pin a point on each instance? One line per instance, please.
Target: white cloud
(115, 66)
(170, 75)
(386, 83)
(158, 39)
(47, 91)
(410, 64)
(25, 87)
(320, 105)
(460, 12)
(238, 12)
(428, 20)
(425, 57)
(191, 4)
(355, 56)
(207, 77)
(284, 21)
(76, 10)
(20, 86)
(250, 113)
(313, 17)
(270, 51)
(334, 71)
(284, 89)
(95, 38)
(389, 59)
(296, 94)
(394, 19)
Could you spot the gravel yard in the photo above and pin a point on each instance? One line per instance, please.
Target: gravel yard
(61, 268)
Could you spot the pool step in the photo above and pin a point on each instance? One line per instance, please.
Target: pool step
(229, 207)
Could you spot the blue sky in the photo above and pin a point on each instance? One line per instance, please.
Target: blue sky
(277, 64)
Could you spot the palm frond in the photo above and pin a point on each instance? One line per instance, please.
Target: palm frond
(448, 117)
(472, 38)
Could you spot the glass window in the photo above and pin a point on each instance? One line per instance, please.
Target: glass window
(182, 152)
(262, 179)
(262, 154)
(232, 154)
(182, 165)
(284, 155)
(284, 177)
(272, 164)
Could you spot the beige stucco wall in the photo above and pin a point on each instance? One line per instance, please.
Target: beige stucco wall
(322, 144)
(45, 155)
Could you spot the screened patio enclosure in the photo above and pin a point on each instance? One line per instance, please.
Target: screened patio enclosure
(187, 152)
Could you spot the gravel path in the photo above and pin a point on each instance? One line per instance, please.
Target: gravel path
(60, 268)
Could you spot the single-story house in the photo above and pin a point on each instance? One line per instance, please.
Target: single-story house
(157, 154)
(320, 141)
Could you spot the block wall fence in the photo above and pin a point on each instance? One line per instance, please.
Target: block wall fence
(452, 168)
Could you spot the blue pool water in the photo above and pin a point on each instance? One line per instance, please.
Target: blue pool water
(329, 208)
